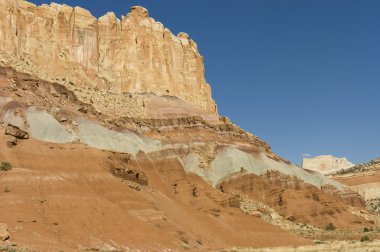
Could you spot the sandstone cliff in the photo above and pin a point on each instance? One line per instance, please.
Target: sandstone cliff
(133, 55)
(326, 164)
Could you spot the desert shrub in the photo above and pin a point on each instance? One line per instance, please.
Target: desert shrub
(330, 227)
(364, 238)
(366, 229)
(320, 242)
(7, 248)
(5, 166)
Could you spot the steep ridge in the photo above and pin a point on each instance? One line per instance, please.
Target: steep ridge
(57, 115)
(141, 144)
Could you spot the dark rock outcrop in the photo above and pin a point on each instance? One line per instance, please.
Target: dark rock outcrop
(16, 132)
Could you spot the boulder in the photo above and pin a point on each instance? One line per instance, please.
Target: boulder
(11, 141)
(4, 233)
(131, 175)
(196, 192)
(256, 214)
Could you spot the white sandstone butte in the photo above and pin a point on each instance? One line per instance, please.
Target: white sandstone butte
(326, 164)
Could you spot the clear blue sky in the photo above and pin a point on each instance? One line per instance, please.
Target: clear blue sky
(302, 75)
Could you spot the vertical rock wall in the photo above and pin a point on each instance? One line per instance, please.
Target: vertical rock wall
(135, 54)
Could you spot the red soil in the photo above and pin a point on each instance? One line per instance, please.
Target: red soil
(64, 197)
(295, 200)
(359, 179)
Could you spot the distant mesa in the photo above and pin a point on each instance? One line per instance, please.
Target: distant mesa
(326, 164)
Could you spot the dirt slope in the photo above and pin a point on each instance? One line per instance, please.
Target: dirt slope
(65, 197)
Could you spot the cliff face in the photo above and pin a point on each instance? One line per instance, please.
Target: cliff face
(135, 54)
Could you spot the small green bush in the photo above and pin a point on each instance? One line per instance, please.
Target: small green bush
(364, 238)
(330, 227)
(366, 229)
(5, 166)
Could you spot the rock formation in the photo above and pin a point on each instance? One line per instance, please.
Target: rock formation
(113, 137)
(365, 180)
(326, 164)
(4, 233)
(16, 132)
(133, 55)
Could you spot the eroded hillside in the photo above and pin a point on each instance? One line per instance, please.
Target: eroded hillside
(102, 157)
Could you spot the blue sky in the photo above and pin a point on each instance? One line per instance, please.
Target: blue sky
(302, 75)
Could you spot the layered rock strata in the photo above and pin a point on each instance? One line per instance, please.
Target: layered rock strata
(365, 180)
(119, 110)
(133, 55)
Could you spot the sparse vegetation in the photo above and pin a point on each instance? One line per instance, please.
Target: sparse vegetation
(330, 227)
(5, 166)
(186, 246)
(358, 168)
(7, 249)
(320, 242)
(364, 238)
(374, 205)
(366, 229)
(354, 169)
